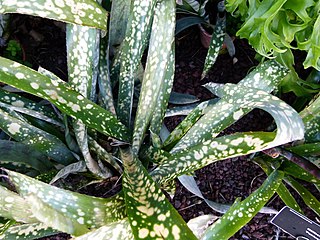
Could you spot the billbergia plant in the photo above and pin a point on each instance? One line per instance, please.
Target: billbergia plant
(60, 127)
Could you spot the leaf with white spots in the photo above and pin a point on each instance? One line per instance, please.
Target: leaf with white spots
(185, 125)
(120, 230)
(21, 102)
(282, 190)
(42, 141)
(81, 12)
(22, 154)
(82, 54)
(63, 96)
(232, 107)
(139, 26)
(309, 199)
(149, 212)
(14, 207)
(241, 213)
(215, 45)
(27, 232)
(162, 37)
(164, 95)
(311, 118)
(77, 209)
(119, 15)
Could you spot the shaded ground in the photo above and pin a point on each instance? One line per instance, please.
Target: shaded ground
(222, 182)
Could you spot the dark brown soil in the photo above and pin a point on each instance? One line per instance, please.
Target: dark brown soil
(222, 182)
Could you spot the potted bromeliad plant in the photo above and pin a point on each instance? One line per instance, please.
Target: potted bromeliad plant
(68, 133)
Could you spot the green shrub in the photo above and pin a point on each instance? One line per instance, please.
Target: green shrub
(32, 209)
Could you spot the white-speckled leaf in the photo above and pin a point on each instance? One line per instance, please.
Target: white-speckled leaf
(241, 213)
(120, 230)
(23, 132)
(81, 12)
(82, 55)
(88, 211)
(215, 45)
(149, 212)
(20, 154)
(164, 96)
(311, 118)
(27, 232)
(139, 25)
(14, 207)
(237, 102)
(119, 15)
(309, 199)
(162, 37)
(63, 96)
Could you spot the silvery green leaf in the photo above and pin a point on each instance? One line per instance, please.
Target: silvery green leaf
(182, 98)
(28, 231)
(241, 213)
(83, 12)
(160, 45)
(71, 168)
(63, 96)
(120, 230)
(77, 211)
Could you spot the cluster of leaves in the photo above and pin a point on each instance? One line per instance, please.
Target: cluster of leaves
(143, 151)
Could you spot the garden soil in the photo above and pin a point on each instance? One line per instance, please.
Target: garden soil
(43, 44)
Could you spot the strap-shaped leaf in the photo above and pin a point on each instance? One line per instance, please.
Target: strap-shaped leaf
(81, 12)
(27, 232)
(120, 12)
(60, 93)
(22, 102)
(149, 212)
(311, 119)
(241, 213)
(309, 199)
(282, 190)
(120, 230)
(14, 207)
(162, 37)
(19, 153)
(42, 141)
(139, 25)
(231, 107)
(216, 43)
(82, 53)
(89, 212)
(227, 111)
(164, 96)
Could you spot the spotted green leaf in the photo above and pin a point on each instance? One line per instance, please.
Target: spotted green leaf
(120, 12)
(309, 199)
(241, 213)
(282, 190)
(14, 207)
(63, 96)
(80, 211)
(161, 39)
(22, 154)
(82, 12)
(42, 141)
(138, 29)
(227, 111)
(216, 43)
(311, 118)
(27, 232)
(149, 212)
(120, 230)
(156, 124)
(83, 55)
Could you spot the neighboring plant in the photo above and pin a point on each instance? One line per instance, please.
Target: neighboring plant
(275, 28)
(148, 158)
